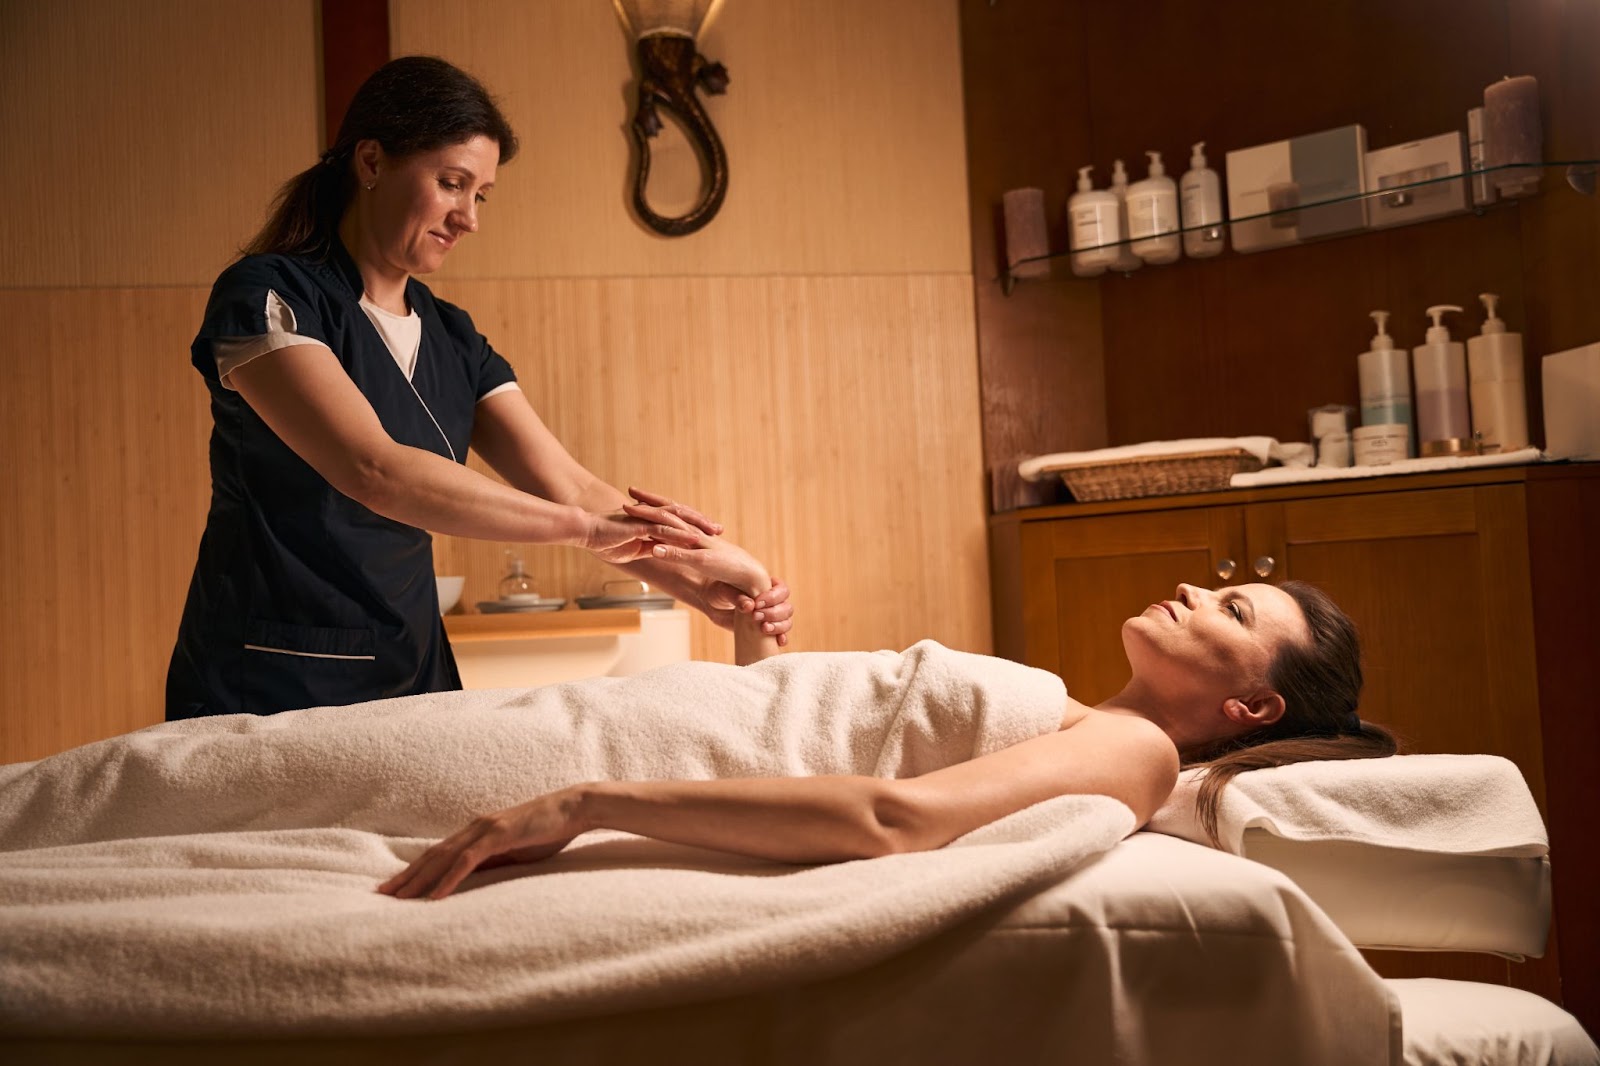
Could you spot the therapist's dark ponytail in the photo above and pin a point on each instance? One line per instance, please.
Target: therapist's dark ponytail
(1320, 683)
(411, 104)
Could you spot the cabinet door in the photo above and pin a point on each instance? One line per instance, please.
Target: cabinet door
(1083, 577)
(1437, 583)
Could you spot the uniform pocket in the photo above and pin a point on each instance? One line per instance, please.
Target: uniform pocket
(288, 666)
(310, 642)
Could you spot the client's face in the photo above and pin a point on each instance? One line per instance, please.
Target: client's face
(1210, 646)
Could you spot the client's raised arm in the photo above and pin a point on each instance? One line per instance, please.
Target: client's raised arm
(817, 819)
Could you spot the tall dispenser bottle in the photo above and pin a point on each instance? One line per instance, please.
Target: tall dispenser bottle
(1096, 220)
(1385, 373)
(1499, 394)
(1153, 215)
(1200, 208)
(1443, 423)
(1125, 261)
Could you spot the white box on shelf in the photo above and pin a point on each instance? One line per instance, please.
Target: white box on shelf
(1257, 178)
(1330, 170)
(1427, 160)
(1327, 169)
(1572, 403)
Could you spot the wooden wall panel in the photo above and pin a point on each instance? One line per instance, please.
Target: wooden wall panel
(144, 141)
(842, 124)
(830, 423)
(103, 424)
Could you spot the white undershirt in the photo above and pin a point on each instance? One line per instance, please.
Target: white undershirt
(402, 335)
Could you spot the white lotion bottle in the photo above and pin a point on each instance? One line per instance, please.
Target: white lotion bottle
(1096, 222)
(1443, 423)
(1153, 215)
(1385, 373)
(1124, 260)
(1200, 203)
(1499, 393)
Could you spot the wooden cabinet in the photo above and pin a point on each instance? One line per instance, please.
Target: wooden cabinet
(1473, 593)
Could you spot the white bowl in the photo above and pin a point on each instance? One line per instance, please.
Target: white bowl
(449, 592)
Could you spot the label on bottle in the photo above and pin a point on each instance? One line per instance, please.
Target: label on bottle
(1196, 210)
(1093, 225)
(1150, 215)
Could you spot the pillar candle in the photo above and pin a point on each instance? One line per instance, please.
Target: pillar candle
(1026, 233)
(1512, 133)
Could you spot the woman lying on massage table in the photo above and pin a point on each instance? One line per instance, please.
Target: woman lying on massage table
(1237, 679)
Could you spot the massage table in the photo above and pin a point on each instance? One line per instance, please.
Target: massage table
(1051, 936)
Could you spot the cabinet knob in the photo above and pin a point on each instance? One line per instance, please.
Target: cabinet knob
(1226, 568)
(1264, 565)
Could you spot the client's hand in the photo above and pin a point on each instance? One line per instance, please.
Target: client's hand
(527, 832)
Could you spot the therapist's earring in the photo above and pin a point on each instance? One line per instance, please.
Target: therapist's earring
(370, 184)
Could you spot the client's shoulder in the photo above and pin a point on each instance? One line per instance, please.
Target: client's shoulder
(1138, 733)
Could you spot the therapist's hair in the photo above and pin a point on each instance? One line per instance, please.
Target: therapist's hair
(1320, 682)
(409, 105)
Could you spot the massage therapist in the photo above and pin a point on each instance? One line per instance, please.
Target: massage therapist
(345, 396)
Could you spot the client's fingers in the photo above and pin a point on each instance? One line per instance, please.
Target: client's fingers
(778, 593)
(781, 613)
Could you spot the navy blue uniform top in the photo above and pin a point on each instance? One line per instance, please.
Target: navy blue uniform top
(301, 596)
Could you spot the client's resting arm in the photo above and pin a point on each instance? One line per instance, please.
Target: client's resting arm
(817, 819)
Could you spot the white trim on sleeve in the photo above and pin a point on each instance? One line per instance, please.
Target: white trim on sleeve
(233, 352)
(498, 389)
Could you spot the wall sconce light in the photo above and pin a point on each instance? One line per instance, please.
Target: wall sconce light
(671, 71)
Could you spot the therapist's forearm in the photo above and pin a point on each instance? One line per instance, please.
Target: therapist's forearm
(431, 492)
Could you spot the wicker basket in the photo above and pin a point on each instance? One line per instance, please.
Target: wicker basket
(1157, 475)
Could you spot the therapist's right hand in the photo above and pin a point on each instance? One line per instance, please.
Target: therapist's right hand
(620, 538)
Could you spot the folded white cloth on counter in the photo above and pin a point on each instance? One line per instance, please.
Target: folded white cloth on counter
(1042, 466)
(218, 876)
(1284, 475)
(1448, 804)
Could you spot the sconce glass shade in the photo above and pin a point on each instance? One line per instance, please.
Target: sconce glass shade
(672, 18)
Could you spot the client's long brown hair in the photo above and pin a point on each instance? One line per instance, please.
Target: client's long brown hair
(1320, 683)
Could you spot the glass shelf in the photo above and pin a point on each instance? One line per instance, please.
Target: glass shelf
(1378, 209)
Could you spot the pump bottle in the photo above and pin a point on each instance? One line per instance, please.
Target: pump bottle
(1096, 226)
(1201, 208)
(1494, 365)
(1385, 373)
(1125, 260)
(1153, 215)
(1443, 425)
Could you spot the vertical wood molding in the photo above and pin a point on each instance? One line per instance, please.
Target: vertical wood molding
(355, 43)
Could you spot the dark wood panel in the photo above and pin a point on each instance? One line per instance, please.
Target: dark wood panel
(1564, 556)
(1027, 121)
(355, 42)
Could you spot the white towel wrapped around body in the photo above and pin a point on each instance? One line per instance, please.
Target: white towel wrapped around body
(218, 876)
